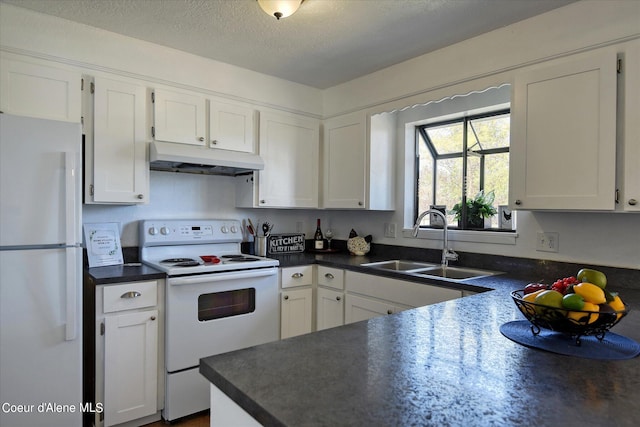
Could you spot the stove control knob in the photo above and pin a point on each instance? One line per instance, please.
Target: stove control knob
(224, 229)
(153, 231)
(234, 229)
(165, 231)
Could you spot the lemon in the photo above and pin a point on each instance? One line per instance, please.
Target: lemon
(617, 305)
(590, 292)
(581, 317)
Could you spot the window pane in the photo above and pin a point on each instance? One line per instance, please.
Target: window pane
(449, 184)
(497, 179)
(473, 175)
(425, 176)
(446, 139)
(489, 132)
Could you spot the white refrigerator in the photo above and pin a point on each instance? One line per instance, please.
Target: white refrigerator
(40, 273)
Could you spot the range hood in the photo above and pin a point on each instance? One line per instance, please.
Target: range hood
(173, 157)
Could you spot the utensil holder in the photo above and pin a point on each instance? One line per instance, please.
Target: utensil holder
(261, 245)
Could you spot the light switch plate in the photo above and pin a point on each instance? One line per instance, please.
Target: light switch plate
(389, 229)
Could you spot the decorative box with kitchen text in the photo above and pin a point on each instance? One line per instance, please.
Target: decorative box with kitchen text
(285, 243)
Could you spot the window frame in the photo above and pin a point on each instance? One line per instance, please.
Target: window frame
(466, 121)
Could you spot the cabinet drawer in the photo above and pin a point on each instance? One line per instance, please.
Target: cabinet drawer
(297, 276)
(129, 296)
(331, 277)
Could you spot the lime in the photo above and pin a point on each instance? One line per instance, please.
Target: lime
(573, 302)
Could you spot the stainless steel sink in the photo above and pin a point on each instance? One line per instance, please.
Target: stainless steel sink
(400, 265)
(455, 273)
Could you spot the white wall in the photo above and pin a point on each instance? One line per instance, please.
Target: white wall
(605, 239)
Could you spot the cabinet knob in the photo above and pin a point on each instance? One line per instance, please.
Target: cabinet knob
(140, 196)
(153, 317)
(263, 201)
(338, 298)
(201, 138)
(360, 203)
(518, 202)
(131, 294)
(286, 297)
(329, 276)
(297, 275)
(389, 311)
(633, 202)
(214, 141)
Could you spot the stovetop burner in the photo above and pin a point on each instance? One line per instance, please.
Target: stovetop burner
(180, 262)
(238, 258)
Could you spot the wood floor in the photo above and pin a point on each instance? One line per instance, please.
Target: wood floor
(196, 420)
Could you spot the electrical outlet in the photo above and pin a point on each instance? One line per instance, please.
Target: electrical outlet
(390, 229)
(547, 242)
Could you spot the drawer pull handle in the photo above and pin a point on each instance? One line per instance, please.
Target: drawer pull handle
(329, 276)
(297, 275)
(131, 294)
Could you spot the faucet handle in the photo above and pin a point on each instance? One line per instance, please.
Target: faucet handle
(451, 255)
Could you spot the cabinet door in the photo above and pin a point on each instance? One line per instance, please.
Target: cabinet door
(289, 146)
(330, 309)
(295, 312)
(231, 127)
(357, 308)
(629, 135)
(131, 360)
(179, 117)
(563, 135)
(120, 169)
(345, 158)
(34, 90)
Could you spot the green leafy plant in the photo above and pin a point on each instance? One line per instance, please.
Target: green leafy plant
(478, 208)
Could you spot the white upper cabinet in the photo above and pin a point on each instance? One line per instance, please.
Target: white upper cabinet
(231, 126)
(116, 169)
(34, 90)
(563, 134)
(179, 117)
(345, 158)
(358, 162)
(629, 130)
(289, 145)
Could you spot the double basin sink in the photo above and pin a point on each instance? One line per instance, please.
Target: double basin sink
(436, 271)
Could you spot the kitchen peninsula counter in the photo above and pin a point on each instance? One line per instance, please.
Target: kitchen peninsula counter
(444, 364)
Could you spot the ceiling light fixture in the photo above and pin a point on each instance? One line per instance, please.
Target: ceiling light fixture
(280, 8)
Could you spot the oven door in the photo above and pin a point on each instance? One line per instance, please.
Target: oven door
(215, 313)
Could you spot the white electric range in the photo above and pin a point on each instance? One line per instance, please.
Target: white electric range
(217, 300)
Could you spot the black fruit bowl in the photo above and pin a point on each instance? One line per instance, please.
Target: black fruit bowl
(580, 322)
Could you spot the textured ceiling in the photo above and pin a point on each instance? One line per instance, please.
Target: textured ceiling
(325, 43)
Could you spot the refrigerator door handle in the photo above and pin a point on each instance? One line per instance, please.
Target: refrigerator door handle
(72, 263)
(71, 290)
(70, 196)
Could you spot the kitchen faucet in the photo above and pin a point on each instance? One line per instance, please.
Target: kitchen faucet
(447, 254)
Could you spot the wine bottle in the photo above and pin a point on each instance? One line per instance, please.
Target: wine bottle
(318, 238)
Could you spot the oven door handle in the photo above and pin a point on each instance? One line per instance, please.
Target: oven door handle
(219, 277)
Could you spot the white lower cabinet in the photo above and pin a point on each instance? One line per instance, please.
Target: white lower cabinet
(131, 363)
(330, 297)
(128, 358)
(330, 308)
(369, 296)
(296, 301)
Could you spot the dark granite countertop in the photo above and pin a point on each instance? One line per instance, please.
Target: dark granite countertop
(128, 272)
(445, 364)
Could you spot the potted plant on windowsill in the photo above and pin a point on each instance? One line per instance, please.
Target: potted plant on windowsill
(479, 209)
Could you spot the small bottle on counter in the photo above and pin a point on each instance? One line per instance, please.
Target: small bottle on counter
(318, 239)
